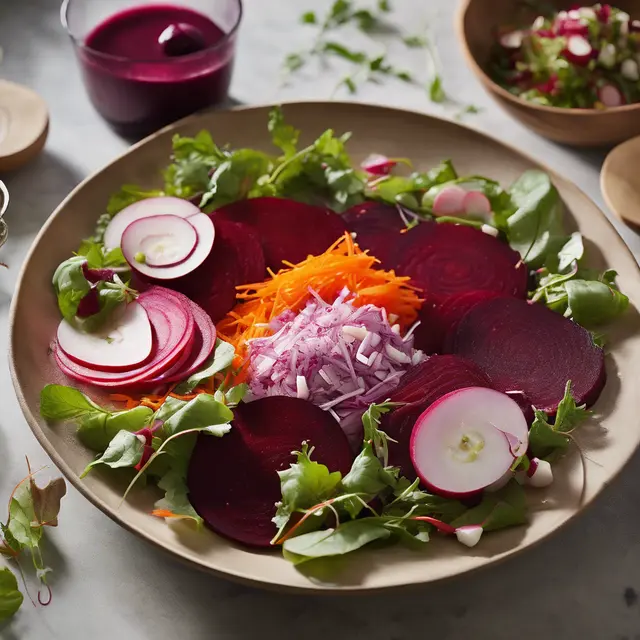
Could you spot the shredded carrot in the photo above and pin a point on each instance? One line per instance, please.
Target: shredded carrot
(344, 264)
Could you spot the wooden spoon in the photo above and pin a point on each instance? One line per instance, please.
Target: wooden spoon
(24, 124)
(620, 181)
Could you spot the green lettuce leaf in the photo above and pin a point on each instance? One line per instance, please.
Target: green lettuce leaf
(304, 484)
(203, 412)
(176, 498)
(592, 303)
(10, 597)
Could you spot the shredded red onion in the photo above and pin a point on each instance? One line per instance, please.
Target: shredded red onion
(338, 356)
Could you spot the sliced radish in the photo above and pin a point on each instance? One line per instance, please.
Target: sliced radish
(476, 203)
(572, 27)
(539, 474)
(467, 440)
(159, 241)
(512, 40)
(164, 206)
(449, 201)
(173, 324)
(610, 96)
(205, 232)
(378, 165)
(124, 343)
(578, 50)
(469, 535)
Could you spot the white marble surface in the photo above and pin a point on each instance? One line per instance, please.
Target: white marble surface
(108, 584)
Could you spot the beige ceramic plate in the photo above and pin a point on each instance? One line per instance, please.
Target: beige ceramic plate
(394, 133)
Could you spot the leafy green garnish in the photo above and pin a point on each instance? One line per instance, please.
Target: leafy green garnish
(498, 510)
(70, 286)
(436, 91)
(550, 439)
(175, 503)
(124, 450)
(96, 426)
(10, 597)
(220, 360)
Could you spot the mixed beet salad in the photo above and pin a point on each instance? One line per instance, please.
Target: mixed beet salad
(313, 355)
(587, 57)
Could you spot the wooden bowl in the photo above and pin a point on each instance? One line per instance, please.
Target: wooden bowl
(478, 22)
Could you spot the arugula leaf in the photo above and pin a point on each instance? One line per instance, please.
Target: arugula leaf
(175, 503)
(409, 498)
(504, 508)
(10, 597)
(346, 538)
(370, 423)
(535, 229)
(99, 258)
(337, 49)
(23, 524)
(96, 426)
(436, 90)
(547, 440)
(125, 450)
(303, 485)
(220, 360)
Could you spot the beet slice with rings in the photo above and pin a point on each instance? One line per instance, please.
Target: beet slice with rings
(377, 226)
(233, 481)
(236, 258)
(527, 347)
(288, 230)
(437, 320)
(447, 259)
(420, 387)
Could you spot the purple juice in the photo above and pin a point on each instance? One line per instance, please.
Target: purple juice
(151, 65)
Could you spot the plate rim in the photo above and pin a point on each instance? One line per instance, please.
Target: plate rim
(310, 587)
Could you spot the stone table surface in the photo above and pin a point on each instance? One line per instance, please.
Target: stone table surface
(108, 584)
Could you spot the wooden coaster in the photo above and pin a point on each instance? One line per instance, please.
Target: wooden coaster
(24, 125)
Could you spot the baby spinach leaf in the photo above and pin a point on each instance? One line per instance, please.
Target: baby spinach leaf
(10, 597)
(125, 450)
(200, 413)
(96, 426)
(221, 359)
(70, 286)
(594, 302)
(504, 508)
(535, 228)
(346, 538)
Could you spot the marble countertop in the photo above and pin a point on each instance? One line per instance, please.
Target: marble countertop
(107, 583)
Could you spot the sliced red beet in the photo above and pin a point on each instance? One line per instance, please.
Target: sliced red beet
(529, 348)
(437, 320)
(233, 481)
(236, 258)
(288, 230)
(421, 386)
(173, 325)
(377, 226)
(446, 259)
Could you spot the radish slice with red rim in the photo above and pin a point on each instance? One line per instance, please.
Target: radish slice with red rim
(477, 204)
(205, 232)
(173, 325)
(163, 206)
(578, 50)
(468, 440)
(159, 241)
(449, 201)
(610, 96)
(125, 342)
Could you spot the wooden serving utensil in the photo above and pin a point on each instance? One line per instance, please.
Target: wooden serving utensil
(620, 181)
(24, 125)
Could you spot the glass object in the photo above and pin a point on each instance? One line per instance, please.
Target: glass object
(147, 64)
